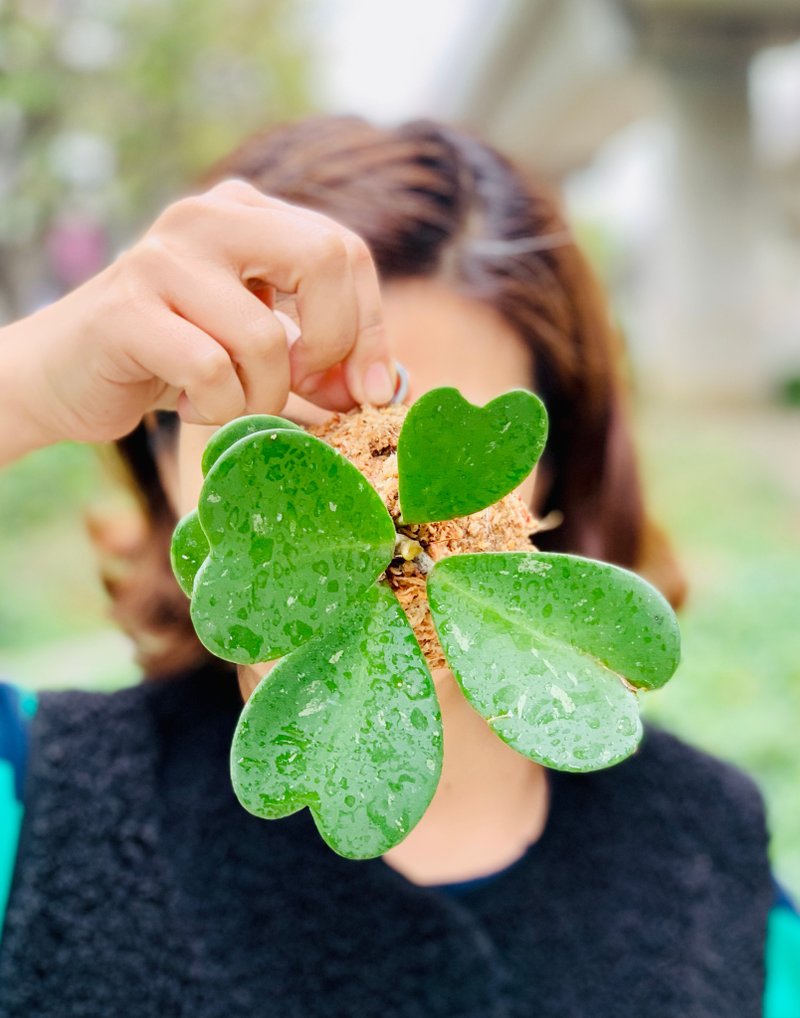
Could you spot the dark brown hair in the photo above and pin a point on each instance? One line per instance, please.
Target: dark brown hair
(433, 201)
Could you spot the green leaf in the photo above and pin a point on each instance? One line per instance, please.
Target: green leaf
(189, 547)
(455, 458)
(188, 550)
(231, 432)
(538, 642)
(296, 534)
(349, 726)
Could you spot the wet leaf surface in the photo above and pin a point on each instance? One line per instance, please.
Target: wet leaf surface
(296, 534)
(189, 547)
(349, 726)
(241, 427)
(455, 458)
(538, 643)
(188, 550)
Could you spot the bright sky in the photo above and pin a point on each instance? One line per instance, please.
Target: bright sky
(388, 60)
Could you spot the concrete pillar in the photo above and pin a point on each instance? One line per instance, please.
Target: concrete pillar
(702, 318)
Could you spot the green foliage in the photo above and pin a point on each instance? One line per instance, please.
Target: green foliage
(598, 610)
(158, 90)
(789, 390)
(188, 551)
(295, 533)
(455, 459)
(296, 540)
(723, 483)
(189, 548)
(349, 726)
(539, 643)
(48, 590)
(223, 439)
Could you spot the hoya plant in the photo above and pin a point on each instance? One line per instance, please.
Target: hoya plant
(286, 557)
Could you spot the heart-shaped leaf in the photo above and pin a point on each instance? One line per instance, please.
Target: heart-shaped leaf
(454, 458)
(539, 642)
(349, 726)
(189, 546)
(231, 432)
(188, 551)
(295, 533)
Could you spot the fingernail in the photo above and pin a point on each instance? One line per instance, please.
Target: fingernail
(378, 384)
(291, 328)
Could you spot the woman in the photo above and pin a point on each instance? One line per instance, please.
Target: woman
(141, 887)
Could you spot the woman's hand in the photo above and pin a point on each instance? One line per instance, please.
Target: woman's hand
(184, 320)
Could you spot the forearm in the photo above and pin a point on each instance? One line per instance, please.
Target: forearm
(21, 431)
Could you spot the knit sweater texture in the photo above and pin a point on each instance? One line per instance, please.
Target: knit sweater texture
(143, 889)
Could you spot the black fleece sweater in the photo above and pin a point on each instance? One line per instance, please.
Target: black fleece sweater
(143, 890)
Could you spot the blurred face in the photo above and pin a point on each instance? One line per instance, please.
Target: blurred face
(441, 337)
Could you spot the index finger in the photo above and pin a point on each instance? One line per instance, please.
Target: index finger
(368, 373)
(332, 274)
(369, 368)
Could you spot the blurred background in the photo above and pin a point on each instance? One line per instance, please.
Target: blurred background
(672, 128)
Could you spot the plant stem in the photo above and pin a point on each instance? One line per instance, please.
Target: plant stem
(410, 550)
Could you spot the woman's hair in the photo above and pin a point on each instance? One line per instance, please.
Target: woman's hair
(432, 201)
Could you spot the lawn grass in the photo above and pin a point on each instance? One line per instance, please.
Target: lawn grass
(726, 486)
(53, 610)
